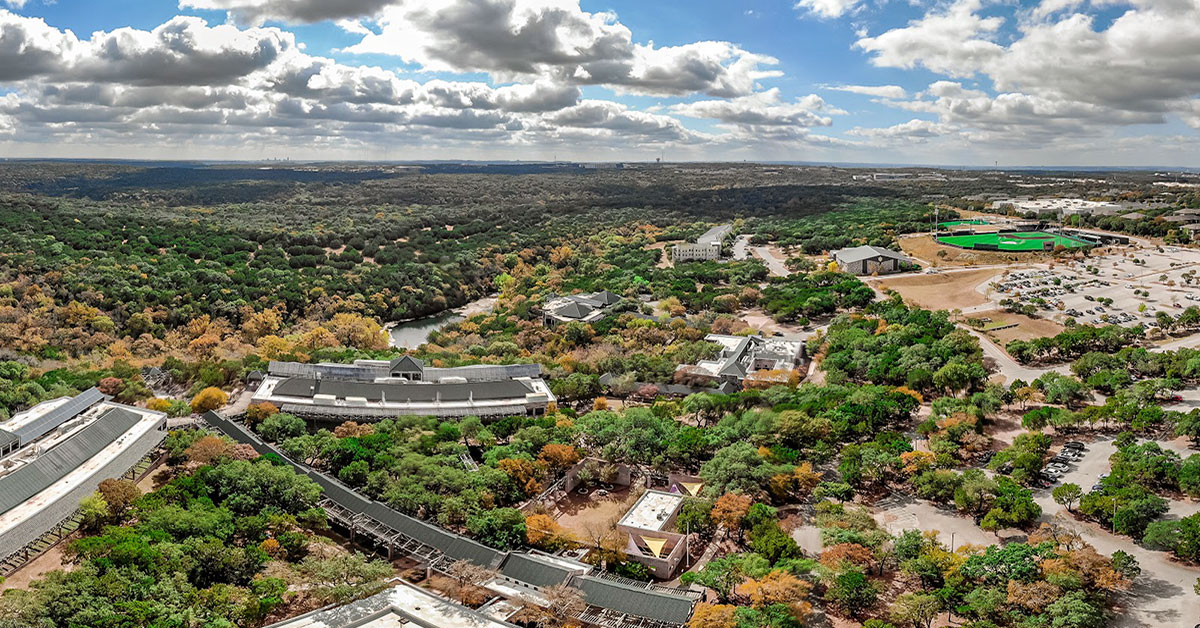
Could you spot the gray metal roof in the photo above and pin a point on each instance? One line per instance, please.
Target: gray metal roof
(399, 393)
(573, 309)
(406, 363)
(8, 438)
(19, 486)
(634, 600)
(527, 568)
(607, 298)
(42, 425)
(369, 372)
(860, 253)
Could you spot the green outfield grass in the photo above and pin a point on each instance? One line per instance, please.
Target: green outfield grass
(1020, 241)
(956, 223)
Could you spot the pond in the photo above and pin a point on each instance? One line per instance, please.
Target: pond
(414, 333)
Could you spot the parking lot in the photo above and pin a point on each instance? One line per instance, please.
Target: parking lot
(1129, 287)
(1163, 594)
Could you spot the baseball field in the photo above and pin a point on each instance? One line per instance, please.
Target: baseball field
(1020, 241)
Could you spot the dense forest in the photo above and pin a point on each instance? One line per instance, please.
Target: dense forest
(206, 273)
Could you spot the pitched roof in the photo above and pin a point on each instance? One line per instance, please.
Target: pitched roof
(734, 368)
(406, 363)
(860, 253)
(29, 480)
(29, 431)
(605, 297)
(633, 600)
(573, 310)
(539, 573)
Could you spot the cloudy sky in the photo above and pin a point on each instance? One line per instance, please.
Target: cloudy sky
(972, 82)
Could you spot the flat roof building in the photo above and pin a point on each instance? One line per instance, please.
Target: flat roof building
(650, 539)
(869, 260)
(1061, 207)
(706, 247)
(377, 389)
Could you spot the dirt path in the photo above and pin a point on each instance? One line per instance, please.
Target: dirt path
(49, 561)
(664, 260)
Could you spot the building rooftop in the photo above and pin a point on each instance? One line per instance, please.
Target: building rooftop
(68, 460)
(44, 417)
(652, 511)
(402, 605)
(540, 570)
(860, 253)
(624, 598)
(403, 392)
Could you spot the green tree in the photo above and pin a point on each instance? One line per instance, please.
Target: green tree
(502, 528)
(853, 592)
(281, 426)
(918, 609)
(1067, 494)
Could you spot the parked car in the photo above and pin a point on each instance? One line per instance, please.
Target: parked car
(1074, 444)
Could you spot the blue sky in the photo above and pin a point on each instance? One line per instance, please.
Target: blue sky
(972, 82)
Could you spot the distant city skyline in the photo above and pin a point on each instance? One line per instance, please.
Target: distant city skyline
(957, 83)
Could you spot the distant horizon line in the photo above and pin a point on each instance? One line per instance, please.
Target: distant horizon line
(477, 162)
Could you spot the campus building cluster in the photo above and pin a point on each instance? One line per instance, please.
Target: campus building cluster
(56, 453)
(1061, 207)
(377, 389)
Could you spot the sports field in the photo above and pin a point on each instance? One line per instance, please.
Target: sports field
(956, 223)
(1020, 241)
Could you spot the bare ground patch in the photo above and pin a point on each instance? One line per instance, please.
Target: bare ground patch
(944, 291)
(664, 260)
(1027, 327)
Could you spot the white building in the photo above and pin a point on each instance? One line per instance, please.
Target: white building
(57, 453)
(1061, 207)
(746, 357)
(378, 389)
(402, 605)
(707, 246)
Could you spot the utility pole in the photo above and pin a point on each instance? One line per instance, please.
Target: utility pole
(951, 551)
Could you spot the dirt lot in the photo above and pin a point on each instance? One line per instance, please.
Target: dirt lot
(578, 513)
(664, 260)
(924, 248)
(1027, 328)
(760, 320)
(944, 291)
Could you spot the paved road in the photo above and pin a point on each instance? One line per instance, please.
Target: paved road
(1162, 596)
(739, 247)
(774, 264)
(1010, 368)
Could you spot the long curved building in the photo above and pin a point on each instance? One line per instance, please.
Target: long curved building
(56, 453)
